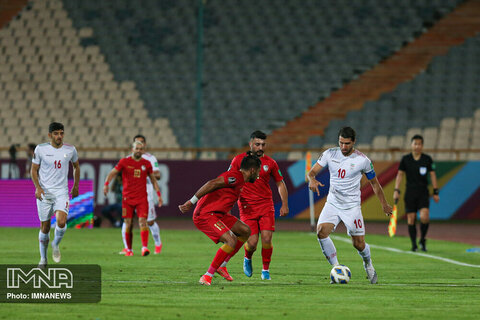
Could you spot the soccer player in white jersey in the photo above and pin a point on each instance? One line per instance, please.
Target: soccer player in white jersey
(346, 166)
(49, 173)
(152, 215)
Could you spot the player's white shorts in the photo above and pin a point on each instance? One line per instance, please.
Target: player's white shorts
(152, 214)
(47, 207)
(352, 219)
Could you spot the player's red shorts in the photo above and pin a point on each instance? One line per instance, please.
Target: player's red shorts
(214, 224)
(129, 206)
(258, 217)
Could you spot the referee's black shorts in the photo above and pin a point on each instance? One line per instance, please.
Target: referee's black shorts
(416, 199)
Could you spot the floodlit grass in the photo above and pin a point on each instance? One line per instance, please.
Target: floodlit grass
(166, 286)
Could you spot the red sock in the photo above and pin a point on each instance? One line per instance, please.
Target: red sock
(237, 247)
(128, 238)
(248, 254)
(218, 260)
(266, 257)
(144, 236)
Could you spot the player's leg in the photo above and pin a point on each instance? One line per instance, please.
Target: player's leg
(424, 223)
(216, 230)
(267, 227)
(353, 220)
(45, 211)
(241, 230)
(128, 235)
(153, 226)
(60, 229)
(124, 239)
(142, 221)
(250, 245)
(327, 222)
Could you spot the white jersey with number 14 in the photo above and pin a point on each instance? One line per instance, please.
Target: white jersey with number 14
(345, 176)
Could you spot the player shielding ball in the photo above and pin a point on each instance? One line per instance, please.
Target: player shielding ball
(346, 166)
(211, 216)
(256, 204)
(135, 171)
(49, 173)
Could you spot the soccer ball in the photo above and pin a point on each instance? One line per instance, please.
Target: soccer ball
(340, 274)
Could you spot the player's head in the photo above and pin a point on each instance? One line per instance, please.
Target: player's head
(55, 133)
(346, 140)
(417, 143)
(142, 139)
(31, 148)
(251, 165)
(257, 143)
(137, 149)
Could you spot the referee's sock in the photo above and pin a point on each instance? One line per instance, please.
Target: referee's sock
(423, 231)
(412, 231)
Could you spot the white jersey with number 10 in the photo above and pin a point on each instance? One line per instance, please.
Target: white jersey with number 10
(345, 176)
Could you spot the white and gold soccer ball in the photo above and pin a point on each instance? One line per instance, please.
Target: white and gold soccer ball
(340, 274)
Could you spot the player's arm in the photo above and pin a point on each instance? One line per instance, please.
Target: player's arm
(398, 181)
(433, 177)
(283, 192)
(208, 187)
(377, 188)
(34, 174)
(156, 175)
(76, 179)
(154, 179)
(109, 178)
(313, 182)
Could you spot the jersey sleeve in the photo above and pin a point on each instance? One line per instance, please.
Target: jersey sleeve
(368, 169)
(323, 160)
(37, 158)
(231, 178)
(235, 164)
(430, 164)
(74, 155)
(120, 165)
(402, 165)
(276, 173)
(149, 167)
(154, 163)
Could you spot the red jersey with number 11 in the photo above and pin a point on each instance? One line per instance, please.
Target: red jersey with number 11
(134, 177)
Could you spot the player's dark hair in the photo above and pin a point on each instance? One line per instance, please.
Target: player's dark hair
(347, 132)
(54, 126)
(417, 137)
(249, 162)
(31, 146)
(258, 135)
(140, 136)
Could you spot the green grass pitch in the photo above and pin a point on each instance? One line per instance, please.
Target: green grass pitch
(165, 286)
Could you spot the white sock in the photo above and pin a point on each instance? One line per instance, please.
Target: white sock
(329, 250)
(224, 264)
(155, 230)
(365, 254)
(59, 232)
(208, 274)
(124, 229)
(43, 239)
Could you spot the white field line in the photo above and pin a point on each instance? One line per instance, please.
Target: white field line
(411, 252)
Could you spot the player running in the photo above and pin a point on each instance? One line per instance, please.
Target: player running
(135, 171)
(212, 217)
(152, 214)
(346, 166)
(50, 175)
(256, 204)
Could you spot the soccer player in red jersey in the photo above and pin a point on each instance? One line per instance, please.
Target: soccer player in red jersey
(256, 204)
(135, 171)
(211, 216)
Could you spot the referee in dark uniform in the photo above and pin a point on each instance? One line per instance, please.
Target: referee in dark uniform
(416, 166)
